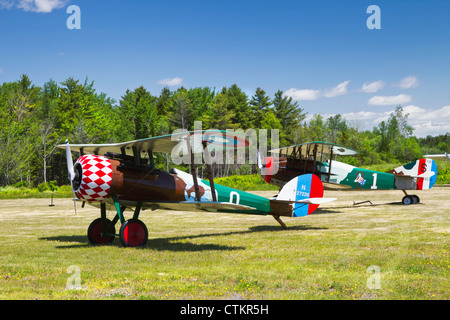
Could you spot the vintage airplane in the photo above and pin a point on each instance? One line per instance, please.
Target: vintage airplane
(124, 176)
(317, 158)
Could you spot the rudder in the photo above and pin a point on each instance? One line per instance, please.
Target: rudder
(304, 187)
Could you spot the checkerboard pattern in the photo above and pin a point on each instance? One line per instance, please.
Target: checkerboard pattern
(97, 177)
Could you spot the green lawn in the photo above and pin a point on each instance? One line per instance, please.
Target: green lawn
(328, 255)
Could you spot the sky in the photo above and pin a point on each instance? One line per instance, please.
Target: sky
(333, 57)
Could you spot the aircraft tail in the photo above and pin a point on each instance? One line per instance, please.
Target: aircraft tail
(300, 196)
(424, 170)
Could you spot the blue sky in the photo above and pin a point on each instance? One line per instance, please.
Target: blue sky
(319, 52)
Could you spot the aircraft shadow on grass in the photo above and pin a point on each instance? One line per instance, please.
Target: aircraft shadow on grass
(173, 243)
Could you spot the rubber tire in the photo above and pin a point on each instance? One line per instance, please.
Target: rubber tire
(95, 230)
(407, 200)
(133, 233)
(415, 199)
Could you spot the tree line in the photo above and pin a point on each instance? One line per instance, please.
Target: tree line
(34, 119)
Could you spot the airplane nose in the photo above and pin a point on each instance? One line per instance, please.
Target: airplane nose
(92, 178)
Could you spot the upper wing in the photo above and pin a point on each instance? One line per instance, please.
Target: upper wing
(216, 138)
(322, 147)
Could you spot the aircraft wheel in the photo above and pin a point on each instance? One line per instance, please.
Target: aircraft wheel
(133, 233)
(407, 200)
(95, 232)
(415, 199)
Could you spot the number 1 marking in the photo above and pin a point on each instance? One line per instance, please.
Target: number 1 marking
(374, 186)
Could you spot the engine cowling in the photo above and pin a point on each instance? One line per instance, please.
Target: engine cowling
(93, 177)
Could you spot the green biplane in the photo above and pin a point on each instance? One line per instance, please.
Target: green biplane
(318, 158)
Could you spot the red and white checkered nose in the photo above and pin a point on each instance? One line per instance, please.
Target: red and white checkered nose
(93, 176)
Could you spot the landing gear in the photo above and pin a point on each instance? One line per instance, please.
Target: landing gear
(410, 199)
(95, 231)
(133, 232)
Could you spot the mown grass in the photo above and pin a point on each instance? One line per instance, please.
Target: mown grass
(327, 255)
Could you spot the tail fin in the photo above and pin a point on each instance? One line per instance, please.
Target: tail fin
(301, 195)
(424, 170)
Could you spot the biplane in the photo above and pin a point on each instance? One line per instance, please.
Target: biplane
(319, 158)
(124, 176)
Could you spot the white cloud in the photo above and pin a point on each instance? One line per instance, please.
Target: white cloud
(424, 121)
(339, 90)
(6, 4)
(389, 100)
(373, 86)
(303, 94)
(361, 115)
(428, 121)
(44, 6)
(312, 94)
(407, 83)
(171, 81)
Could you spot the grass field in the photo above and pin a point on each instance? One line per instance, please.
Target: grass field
(379, 251)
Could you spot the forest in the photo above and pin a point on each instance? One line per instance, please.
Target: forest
(35, 119)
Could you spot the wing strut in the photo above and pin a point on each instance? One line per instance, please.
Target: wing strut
(193, 170)
(210, 173)
(329, 168)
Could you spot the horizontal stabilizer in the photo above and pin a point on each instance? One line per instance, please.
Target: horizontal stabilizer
(424, 175)
(308, 200)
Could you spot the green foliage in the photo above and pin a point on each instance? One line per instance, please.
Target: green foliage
(51, 186)
(289, 114)
(43, 190)
(245, 183)
(443, 168)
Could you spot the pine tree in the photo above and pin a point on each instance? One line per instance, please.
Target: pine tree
(181, 111)
(238, 104)
(289, 114)
(260, 104)
(219, 116)
(163, 102)
(138, 113)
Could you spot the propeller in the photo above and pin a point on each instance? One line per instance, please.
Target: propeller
(71, 172)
